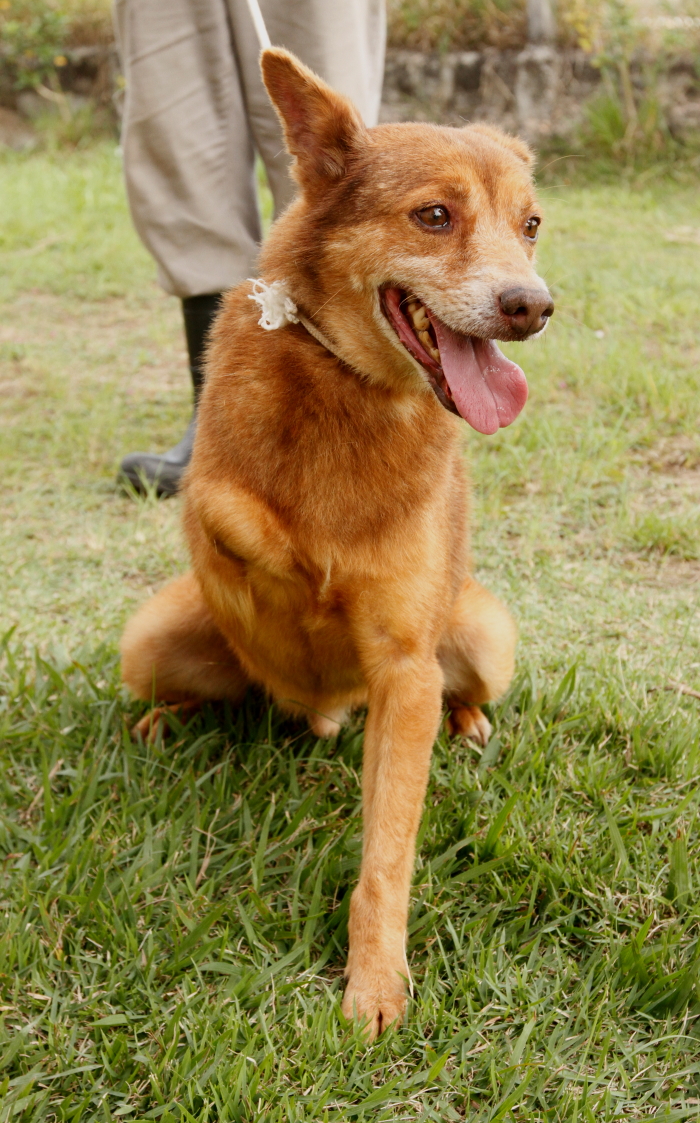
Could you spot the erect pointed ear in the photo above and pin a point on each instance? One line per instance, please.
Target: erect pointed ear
(514, 143)
(321, 127)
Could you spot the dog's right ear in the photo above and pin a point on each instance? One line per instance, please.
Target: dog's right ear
(321, 127)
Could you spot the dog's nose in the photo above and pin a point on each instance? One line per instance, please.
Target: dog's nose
(527, 309)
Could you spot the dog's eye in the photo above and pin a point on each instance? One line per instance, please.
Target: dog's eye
(531, 228)
(434, 217)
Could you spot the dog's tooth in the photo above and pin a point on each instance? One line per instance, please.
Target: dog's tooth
(425, 339)
(420, 319)
(435, 353)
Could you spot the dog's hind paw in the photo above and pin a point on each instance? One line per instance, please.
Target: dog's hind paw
(152, 722)
(469, 721)
(324, 726)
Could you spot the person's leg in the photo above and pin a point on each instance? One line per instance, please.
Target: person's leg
(188, 152)
(189, 170)
(342, 41)
(164, 471)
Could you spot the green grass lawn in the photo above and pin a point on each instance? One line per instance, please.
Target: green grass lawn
(173, 917)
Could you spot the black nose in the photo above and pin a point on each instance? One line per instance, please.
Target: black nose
(527, 309)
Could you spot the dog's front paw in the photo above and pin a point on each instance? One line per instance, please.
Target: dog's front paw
(375, 997)
(469, 721)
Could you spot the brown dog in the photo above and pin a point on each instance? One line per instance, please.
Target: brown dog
(326, 506)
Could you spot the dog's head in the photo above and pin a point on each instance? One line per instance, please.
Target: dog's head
(411, 244)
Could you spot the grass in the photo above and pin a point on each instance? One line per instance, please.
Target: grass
(174, 915)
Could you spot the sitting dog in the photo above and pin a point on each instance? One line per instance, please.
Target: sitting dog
(326, 505)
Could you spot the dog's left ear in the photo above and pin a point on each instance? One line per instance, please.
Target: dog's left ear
(514, 143)
(321, 127)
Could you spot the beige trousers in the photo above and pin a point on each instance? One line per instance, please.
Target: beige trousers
(196, 111)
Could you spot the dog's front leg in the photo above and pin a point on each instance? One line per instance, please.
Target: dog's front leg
(405, 694)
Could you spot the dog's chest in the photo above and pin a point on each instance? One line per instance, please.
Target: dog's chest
(359, 479)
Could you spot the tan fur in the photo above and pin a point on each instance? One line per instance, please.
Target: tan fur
(326, 505)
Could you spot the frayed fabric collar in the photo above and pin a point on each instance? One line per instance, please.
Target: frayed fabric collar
(277, 309)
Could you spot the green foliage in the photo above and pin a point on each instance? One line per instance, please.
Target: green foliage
(606, 124)
(456, 24)
(32, 38)
(605, 29)
(70, 125)
(34, 34)
(625, 122)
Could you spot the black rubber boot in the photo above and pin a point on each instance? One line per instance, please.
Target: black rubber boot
(164, 472)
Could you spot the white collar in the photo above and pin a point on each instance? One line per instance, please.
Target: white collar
(278, 309)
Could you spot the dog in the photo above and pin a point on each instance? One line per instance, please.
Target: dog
(326, 505)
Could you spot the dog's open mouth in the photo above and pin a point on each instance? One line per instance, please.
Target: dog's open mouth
(470, 376)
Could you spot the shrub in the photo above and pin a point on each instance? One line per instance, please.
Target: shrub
(32, 39)
(34, 34)
(89, 22)
(451, 25)
(626, 122)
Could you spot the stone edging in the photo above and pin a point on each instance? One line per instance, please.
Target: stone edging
(538, 92)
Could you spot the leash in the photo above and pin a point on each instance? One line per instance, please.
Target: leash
(259, 24)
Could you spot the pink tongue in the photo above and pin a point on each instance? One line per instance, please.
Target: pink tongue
(488, 389)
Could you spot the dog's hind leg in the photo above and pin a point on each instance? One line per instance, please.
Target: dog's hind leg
(477, 656)
(172, 651)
